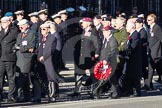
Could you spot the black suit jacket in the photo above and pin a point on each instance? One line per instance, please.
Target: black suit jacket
(48, 54)
(7, 42)
(144, 44)
(50, 45)
(110, 52)
(134, 62)
(155, 40)
(100, 36)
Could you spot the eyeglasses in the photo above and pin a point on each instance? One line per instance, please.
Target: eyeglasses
(20, 27)
(43, 29)
(20, 15)
(149, 19)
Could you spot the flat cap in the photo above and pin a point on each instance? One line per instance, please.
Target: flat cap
(45, 25)
(139, 20)
(62, 12)
(33, 14)
(44, 11)
(106, 28)
(22, 22)
(104, 16)
(5, 18)
(8, 14)
(48, 22)
(55, 16)
(141, 15)
(19, 12)
(87, 19)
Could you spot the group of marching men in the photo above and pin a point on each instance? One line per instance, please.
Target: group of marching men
(129, 46)
(31, 53)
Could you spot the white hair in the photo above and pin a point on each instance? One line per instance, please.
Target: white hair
(121, 20)
(131, 24)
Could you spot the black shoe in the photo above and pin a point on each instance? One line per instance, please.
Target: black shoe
(88, 82)
(23, 100)
(36, 100)
(147, 88)
(12, 99)
(74, 94)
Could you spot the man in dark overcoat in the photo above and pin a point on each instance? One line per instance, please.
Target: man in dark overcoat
(89, 52)
(25, 45)
(134, 65)
(143, 37)
(8, 36)
(46, 55)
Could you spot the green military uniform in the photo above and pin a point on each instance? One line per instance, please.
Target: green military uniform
(121, 37)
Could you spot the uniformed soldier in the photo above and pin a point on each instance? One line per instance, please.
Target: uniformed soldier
(120, 35)
(60, 29)
(57, 19)
(43, 16)
(19, 16)
(36, 77)
(143, 36)
(64, 25)
(98, 26)
(34, 25)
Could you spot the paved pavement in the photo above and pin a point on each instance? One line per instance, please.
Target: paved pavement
(140, 102)
(151, 99)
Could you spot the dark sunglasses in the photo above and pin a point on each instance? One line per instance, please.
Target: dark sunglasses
(43, 29)
(20, 15)
(20, 27)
